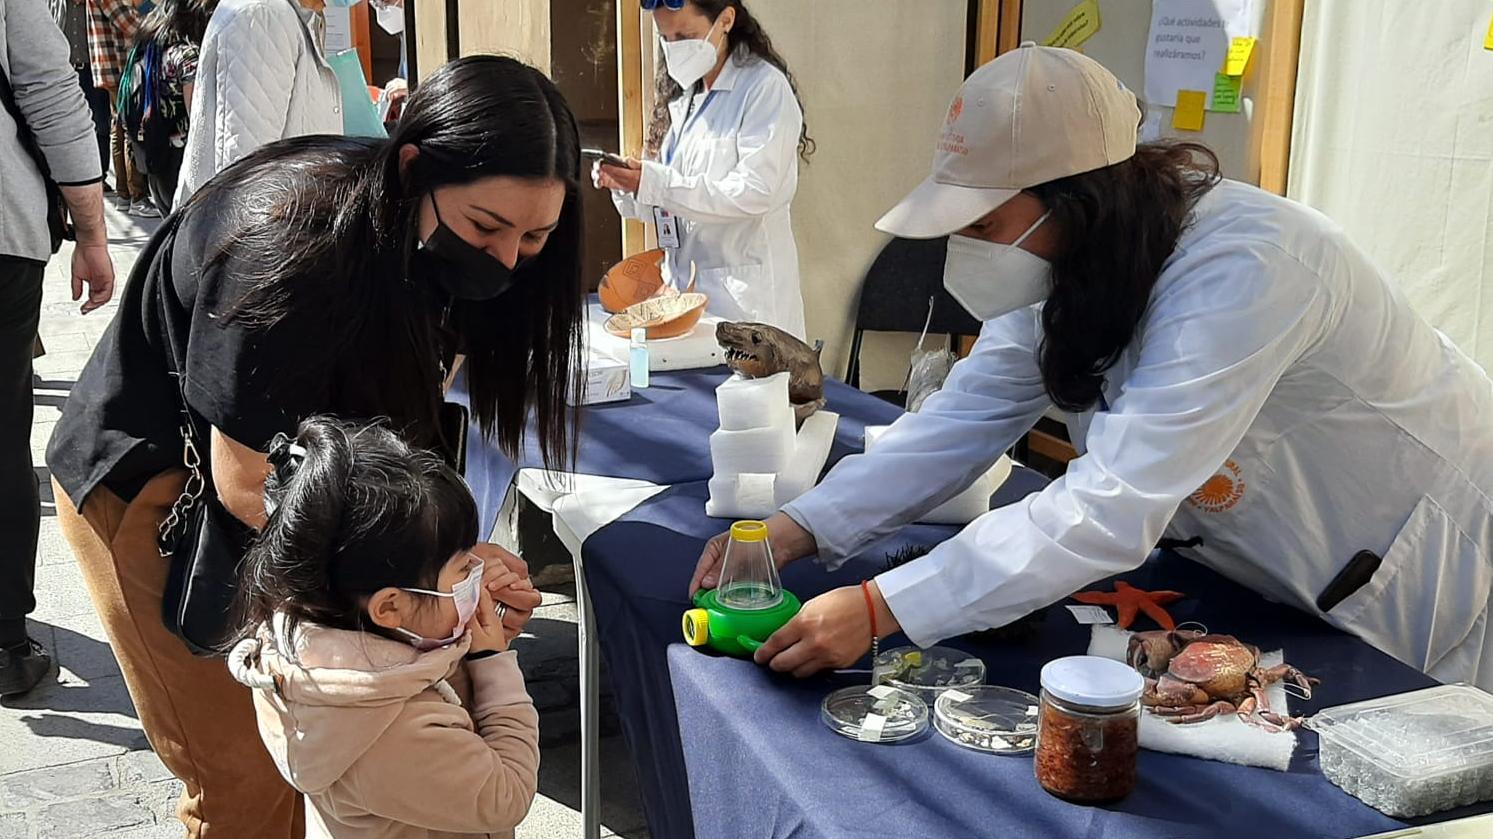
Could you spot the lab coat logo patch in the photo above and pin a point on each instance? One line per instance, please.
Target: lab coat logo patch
(1222, 492)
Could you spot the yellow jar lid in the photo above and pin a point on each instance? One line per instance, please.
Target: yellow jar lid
(749, 531)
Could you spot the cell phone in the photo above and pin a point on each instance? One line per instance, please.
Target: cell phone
(605, 157)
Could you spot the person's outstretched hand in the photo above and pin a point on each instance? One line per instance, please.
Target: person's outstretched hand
(787, 539)
(516, 592)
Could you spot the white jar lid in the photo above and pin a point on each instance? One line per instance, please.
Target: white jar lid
(1092, 681)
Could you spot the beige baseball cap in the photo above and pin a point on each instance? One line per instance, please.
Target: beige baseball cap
(1033, 115)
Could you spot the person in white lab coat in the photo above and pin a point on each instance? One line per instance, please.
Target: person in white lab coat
(723, 148)
(1235, 368)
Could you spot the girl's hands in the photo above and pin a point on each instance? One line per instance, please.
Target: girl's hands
(488, 634)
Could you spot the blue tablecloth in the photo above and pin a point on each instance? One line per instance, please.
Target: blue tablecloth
(637, 573)
(661, 434)
(726, 748)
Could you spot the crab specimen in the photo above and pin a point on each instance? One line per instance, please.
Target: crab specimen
(1192, 676)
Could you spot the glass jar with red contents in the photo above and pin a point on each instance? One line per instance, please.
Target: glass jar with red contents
(1088, 729)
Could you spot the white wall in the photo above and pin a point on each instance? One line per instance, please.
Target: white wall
(876, 79)
(1394, 141)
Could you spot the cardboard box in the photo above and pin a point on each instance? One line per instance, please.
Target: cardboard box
(606, 380)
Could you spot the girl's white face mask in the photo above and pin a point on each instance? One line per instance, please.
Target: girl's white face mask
(991, 279)
(689, 61)
(467, 594)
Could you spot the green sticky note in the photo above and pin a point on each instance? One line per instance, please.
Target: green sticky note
(1226, 94)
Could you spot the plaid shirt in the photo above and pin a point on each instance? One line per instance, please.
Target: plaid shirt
(111, 33)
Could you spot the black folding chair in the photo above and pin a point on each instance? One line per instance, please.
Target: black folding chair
(894, 298)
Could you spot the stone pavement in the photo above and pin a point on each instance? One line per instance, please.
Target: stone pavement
(73, 760)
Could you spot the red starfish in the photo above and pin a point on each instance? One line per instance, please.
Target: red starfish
(1126, 599)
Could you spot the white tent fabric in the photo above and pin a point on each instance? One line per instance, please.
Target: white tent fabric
(1393, 139)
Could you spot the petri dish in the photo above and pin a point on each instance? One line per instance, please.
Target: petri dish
(927, 672)
(875, 713)
(987, 718)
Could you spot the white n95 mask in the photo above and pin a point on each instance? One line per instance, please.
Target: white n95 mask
(390, 18)
(689, 61)
(467, 594)
(991, 279)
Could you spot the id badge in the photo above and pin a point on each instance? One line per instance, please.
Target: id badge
(668, 228)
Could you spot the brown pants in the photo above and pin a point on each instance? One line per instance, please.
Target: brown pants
(129, 181)
(199, 720)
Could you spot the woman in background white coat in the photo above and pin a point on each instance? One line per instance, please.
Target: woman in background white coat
(1235, 368)
(723, 149)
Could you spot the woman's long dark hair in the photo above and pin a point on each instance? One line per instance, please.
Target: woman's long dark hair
(745, 38)
(1118, 225)
(174, 22)
(359, 512)
(329, 225)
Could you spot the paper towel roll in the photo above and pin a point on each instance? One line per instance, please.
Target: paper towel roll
(759, 451)
(745, 404)
(810, 451)
(745, 496)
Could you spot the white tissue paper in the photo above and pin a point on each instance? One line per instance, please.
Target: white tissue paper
(1226, 739)
(810, 451)
(742, 496)
(745, 404)
(766, 450)
(968, 505)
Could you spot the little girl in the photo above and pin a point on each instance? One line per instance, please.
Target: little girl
(361, 598)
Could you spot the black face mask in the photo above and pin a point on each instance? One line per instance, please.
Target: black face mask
(464, 270)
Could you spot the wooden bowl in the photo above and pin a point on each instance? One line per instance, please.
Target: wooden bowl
(663, 317)
(632, 281)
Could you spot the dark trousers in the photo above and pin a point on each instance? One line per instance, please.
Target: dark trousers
(20, 510)
(98, 103)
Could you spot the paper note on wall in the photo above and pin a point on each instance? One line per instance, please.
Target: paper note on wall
(1226, 90)
(1240, 49)
(338, 35)
(1188, 43)
(1189, 113)
(1079, 26)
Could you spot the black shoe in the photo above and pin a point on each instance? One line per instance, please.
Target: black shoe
(22, 667)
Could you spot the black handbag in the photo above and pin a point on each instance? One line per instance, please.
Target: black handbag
(204, 543)
(57, 221)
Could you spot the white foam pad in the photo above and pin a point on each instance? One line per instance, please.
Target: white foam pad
(745, 404)
(810, 451)
(745, 496)
(1226, 739)
(758, 451)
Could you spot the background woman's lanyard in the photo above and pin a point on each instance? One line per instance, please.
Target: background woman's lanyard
(689, 114)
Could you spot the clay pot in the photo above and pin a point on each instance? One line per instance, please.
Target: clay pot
(632, 281)
(663, 317)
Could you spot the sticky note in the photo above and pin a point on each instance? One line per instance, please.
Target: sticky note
(1226, 90)
(956, 695)
(1488, 41)
(1079, 26)
(881, 691)
(1091, 614)
(1188, 115)
(871, 728)
(1240, 49)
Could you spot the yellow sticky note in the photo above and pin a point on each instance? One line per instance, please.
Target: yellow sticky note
(1079, 26)
(1188, 115)
(1226, 90)
(1240, 49)
(1488, 41)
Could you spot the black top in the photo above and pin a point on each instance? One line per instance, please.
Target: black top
(121, 424)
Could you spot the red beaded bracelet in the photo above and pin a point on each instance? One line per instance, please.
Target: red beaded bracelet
(871, 610)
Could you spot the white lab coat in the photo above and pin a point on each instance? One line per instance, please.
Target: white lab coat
(1281, 400)
(729, 182)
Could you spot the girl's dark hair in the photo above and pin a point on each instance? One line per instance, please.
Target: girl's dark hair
(745, 38)
(361, 511)
(174, 22)
(325, 227)
(1117, 226)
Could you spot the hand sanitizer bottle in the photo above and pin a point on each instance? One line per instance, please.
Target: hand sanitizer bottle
(638, 358)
